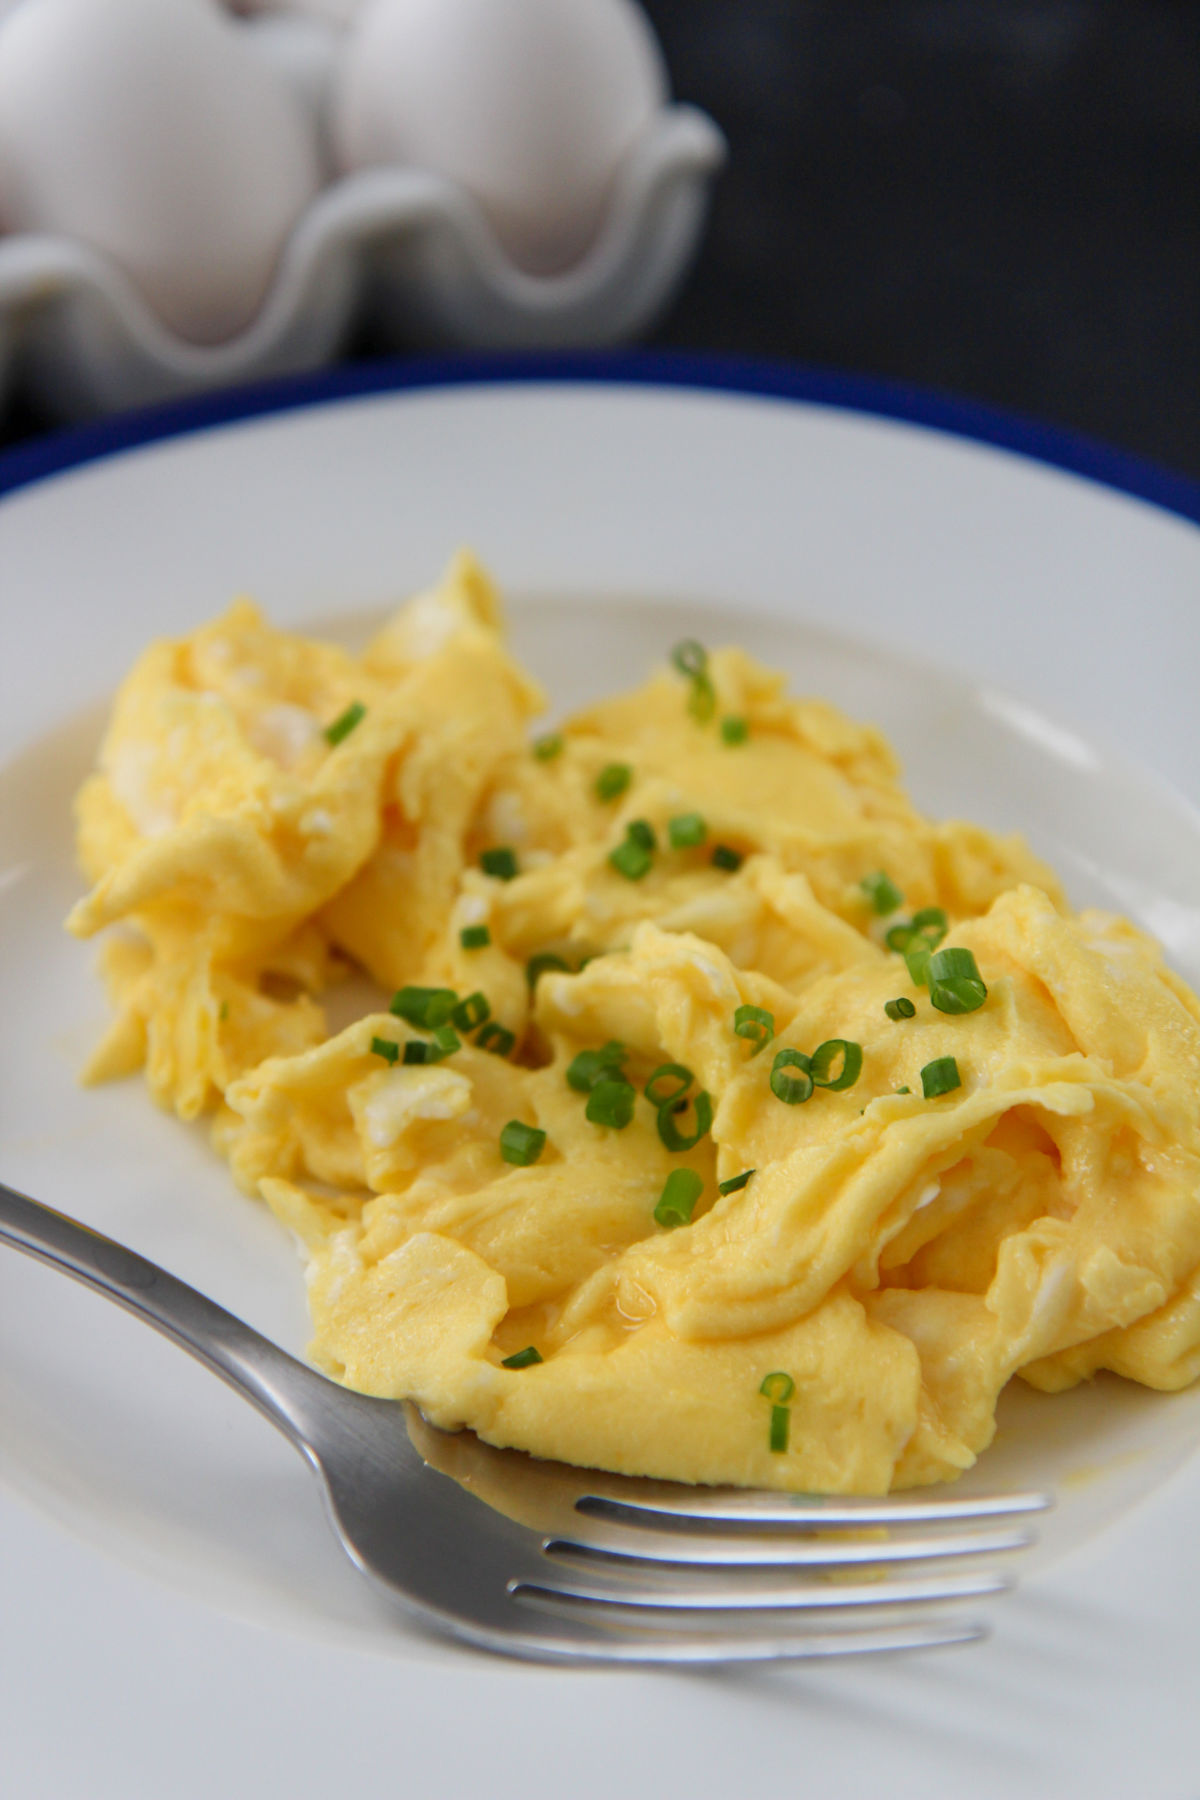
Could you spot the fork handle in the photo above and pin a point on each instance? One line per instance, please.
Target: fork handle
(291, 1395)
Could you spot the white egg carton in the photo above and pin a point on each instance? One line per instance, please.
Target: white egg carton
(407, 248)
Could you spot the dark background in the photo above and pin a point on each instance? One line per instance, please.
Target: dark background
(995, 198)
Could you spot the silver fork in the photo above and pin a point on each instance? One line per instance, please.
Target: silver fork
(538, 1560)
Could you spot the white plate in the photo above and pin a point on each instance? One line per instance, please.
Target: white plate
(176, 1618)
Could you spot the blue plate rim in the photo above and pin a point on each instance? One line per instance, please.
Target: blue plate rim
(976, 421)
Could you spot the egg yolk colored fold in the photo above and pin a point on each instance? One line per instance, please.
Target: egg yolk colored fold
(685, 1054)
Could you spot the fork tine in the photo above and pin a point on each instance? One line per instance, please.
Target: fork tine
(715, 1648)
(647, 1597)
(803, 1511)
(610, 1544)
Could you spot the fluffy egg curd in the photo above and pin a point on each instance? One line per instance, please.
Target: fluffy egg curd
(729, 1121)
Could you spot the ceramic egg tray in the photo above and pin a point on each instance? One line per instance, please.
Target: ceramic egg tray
(407, 249)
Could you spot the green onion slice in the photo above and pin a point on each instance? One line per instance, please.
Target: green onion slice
(630, 860)
(612, 780)
(725, 858)
(940, 1077)
(690, 658)
(474, 937)
(778, 1387)
(902, 1008)
(387, 1048)
(500, 862)
(931, 919)
(611, 1103)
(474, 1010)
(680, 1079)
(734, 730)
(702, 700)
(777, 1435)
(641, 833)
(548, 746)
(345, 722)
(686, 831)
(496, 1038)
(674, 1139)
(827, 1054)
(521, 1144)
(917, 961)
(735, 1183)
(882, 892)
(681, 1190)
(593, 1066)
(792, 1089)
(416, 1051)
(424, 1007)
(754, 1024)
(955, 984)
(542, 963)
(445, 1043)
(524, 1359)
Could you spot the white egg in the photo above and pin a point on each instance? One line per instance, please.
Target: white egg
(150, 130)
(530, 105)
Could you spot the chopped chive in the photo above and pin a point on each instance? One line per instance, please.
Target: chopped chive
(702, 699)
(827, 1054)
(500, 862)
(681, 1077)
(930, 919)
(547, 747)
(793, 1090)
(882, 892)
(781, 1424)
(424, 1007)
(904, 1090)
(917, 961)
(612, 780)
(445, 1043)
(925, 929)
(592, 1066)
(345, 722)
(471, 1012)
(778, 1387)
(641, 833)
(725, 858)
(474, 937)
(756, 1025)
(902, 1008)
(690, 658)
(674, 1139)
(611, 1103)
(677, 1202)
(542, 963)
(955, 984)
(686, 831)
(416, 1051)
(388, 1048)
(735, 1183)
(631, 860)
(496, 1038)
(524, 1359)
(734, 730)
(940, 1077)
(521, 1144)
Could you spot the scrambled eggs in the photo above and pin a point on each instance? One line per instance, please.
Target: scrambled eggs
(731, 1122)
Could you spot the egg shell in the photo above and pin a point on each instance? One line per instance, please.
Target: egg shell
(149, 130)
(530, 105)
